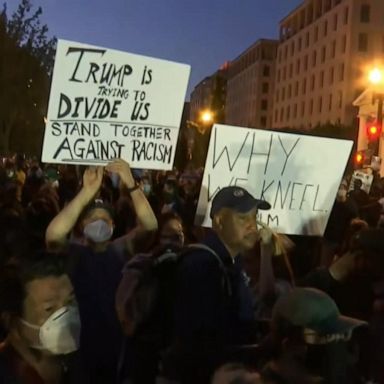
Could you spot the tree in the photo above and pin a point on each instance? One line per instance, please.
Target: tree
(26, 63)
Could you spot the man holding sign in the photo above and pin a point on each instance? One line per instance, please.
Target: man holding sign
(214, 312)
(96, 266)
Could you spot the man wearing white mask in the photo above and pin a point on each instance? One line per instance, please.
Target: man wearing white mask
(97, 264)
(39, 312)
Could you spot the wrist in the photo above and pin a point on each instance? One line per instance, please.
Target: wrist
(85, 196)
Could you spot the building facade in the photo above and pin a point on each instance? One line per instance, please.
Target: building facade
(326, 49)
(250, 86)
(210, 94)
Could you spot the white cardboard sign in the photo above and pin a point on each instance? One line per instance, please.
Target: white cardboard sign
(106, 104)
(298, 175)
(366, 179)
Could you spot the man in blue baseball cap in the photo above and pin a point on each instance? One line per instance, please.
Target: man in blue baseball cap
(213, 310)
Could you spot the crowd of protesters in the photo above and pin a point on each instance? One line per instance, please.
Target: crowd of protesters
(247, 305)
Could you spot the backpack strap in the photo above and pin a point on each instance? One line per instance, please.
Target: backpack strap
(227, 282)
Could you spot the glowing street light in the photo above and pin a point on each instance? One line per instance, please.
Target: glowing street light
(375, 76)
(207, 117)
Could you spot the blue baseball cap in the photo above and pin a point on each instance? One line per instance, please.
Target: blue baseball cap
(237, 199)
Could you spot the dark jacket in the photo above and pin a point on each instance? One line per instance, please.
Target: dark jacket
(212, 318)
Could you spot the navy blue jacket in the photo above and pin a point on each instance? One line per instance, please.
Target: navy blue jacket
(209, 323)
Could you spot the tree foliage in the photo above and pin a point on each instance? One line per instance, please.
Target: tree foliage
(26, 62)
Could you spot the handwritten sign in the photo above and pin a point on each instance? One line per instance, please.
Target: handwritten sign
(365, 178)
(298, 175)
(106, 104)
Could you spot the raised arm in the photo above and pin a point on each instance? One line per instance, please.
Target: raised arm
(59, 228)
(143, 210)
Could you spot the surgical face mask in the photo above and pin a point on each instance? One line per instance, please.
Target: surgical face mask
(147, 188)
(60, 334)
(98, 231)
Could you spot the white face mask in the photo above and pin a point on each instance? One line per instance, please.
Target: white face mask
(60, 334)
(98, 231)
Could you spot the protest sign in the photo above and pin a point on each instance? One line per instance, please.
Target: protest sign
(298, 175)
(366, 179)
(107, 104)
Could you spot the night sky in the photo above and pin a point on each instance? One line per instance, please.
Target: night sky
(202, 33)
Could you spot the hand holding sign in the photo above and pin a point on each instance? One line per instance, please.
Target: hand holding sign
(92, 179)
(122, 168)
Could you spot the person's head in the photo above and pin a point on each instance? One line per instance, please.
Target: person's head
(342, 192)
(146, 185)
(97, 223)
(308, 316)
(357, 184)
(170, 191)
(38, 306)
(171, 230)
(233, 214)
(235, 374)
(368, 247)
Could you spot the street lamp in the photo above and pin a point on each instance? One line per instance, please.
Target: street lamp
(206, 116)
(376, 78)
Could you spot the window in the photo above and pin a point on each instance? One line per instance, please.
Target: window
(286, 52)
(306, 60)
(293, 47)
(299, 44)
(312, 82)
(284, 73)
(304, 86)
(297, 88)
(331, 75)
(281, 114)
(295, 111)
(330, 102)
(280, 56)
(283, 94)
(341, 77)
(263, 121)
(344, 44)
(340, 99)
(320, 104)
(307, 40)
(266, 70)
(276, 116)
(365, 13)
(335, 22)
(297, 66)
(290, 70)
(264, 105)
(289, 91)
(323, 54)
(311, 106)
(278, 75)
(314, 54)
(363, 42)
(288, 112)
(333, 49)
(277, 96)
(321, 79)
(325, 28)
(302, 108)
(265, 88)
(346, 14)
(316, 34)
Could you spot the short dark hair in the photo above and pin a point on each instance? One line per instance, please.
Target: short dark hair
(14, 277)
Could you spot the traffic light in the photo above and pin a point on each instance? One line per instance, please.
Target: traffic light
(373, 131)
(359, 159)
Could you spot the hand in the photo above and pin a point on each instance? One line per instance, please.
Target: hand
(92, 179)
(266, 234)
(123, 169)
